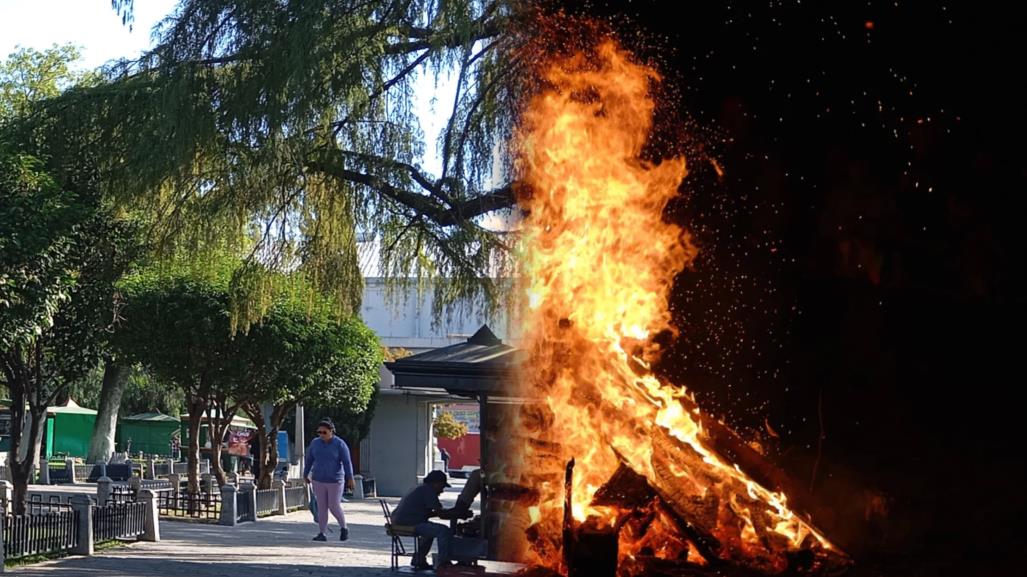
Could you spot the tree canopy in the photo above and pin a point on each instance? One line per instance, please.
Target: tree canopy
(29, 76)
(288, 131)
(178, 325)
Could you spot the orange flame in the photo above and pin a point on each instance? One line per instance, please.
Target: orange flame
(599, 262)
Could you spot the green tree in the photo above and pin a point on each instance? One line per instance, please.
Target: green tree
(447, 427)
(145, 393)
(299, 355)
(60, 253)
(28, 80)
(178, 326)
(29, 76)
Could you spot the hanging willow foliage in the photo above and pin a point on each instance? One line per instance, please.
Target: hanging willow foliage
(286, 130)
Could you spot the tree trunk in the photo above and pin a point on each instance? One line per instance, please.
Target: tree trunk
(23, 381)
(278, 415)
(254, 412)
(215, 457)
(22, 468)
(218, 427)
(269, 453)
(196, 407)
(115, 379)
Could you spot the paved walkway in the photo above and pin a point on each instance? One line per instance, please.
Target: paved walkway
(271, 547)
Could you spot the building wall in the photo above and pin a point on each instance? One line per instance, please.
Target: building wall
(404, 320)
(395, 451)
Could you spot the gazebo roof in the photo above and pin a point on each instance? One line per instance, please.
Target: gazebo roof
(481, 365)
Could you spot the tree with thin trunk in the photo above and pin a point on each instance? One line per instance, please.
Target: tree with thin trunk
(178, 326)
(311, 356)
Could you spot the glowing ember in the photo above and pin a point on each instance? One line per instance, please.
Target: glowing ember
(599, 262)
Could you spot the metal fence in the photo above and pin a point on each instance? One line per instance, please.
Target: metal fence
(121, 493)
(53, 503)
(243, 507)
(185, 504)
(59, 474)
(156, 485)
(45, 533)
(295, 497)
(127, 493)
(164, 468)
(119, 521)
(267, 501)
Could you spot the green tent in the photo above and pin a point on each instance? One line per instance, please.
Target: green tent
(69, 428)
(150, 433)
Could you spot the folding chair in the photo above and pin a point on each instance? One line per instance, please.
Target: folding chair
(397, 532)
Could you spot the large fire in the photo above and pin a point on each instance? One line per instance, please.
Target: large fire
(600, 260)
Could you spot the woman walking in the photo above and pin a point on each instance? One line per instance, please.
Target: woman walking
(327, 465)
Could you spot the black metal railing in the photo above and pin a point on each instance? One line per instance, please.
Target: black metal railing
(243, 507)
(267, 501)
(41, 534)
(185, 504)
(37, 506)
(119, 521)
(59, 474)
(121, 493)
(295, 497)
(83, 472)
(156, 485)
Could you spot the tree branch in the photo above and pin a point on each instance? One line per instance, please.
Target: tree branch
(426, 206)
(426, 39)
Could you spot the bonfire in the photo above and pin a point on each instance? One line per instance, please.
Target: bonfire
(613, 471)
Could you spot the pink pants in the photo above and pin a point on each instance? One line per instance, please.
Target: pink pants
(329, 498)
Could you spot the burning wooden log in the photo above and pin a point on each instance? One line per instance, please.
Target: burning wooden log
(626, 489)
(630, 491)
(733, 449)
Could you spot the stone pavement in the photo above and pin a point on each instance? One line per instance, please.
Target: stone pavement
(272, 547)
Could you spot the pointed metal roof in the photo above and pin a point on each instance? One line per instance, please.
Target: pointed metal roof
(481, 365)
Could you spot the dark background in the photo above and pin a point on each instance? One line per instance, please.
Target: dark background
(861, 273)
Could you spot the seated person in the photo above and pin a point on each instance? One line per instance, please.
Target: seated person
(414, 510)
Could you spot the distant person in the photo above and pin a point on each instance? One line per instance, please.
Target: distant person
(414, 510)
(445, 459)
(327, 466)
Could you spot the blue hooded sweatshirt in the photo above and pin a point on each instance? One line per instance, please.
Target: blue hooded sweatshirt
(328, 461)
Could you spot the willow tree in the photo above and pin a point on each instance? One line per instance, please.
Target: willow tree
(288, 130)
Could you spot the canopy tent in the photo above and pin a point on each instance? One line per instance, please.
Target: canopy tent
(69, 429)
(150, 433)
